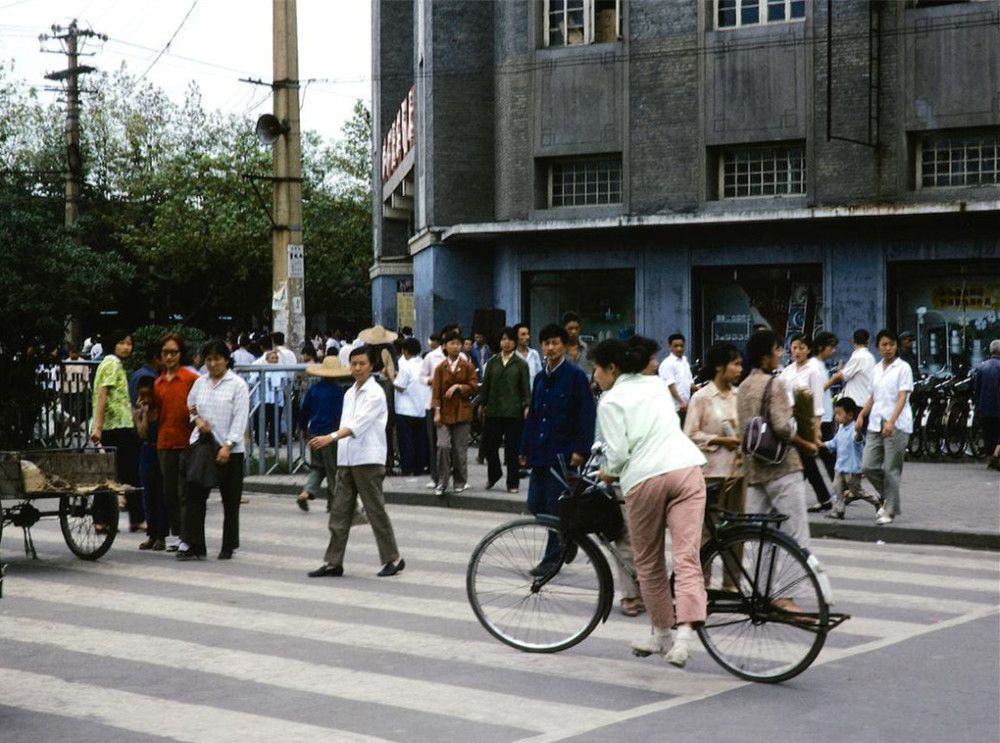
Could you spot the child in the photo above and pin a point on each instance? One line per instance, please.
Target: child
(847, 469)
(153, 499)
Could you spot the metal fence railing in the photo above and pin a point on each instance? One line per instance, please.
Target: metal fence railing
(273, 440)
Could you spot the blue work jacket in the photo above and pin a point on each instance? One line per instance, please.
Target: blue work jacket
(561, 418)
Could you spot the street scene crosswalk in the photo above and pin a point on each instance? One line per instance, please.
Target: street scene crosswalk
(137, 646)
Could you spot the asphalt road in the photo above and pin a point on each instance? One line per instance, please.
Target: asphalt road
(138, 647)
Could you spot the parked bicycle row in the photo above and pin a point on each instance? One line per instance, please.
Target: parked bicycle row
(946, 420)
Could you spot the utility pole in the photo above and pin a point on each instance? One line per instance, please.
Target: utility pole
(70, 39)
(288, 301)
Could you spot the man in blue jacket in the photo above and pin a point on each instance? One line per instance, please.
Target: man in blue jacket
(987, 391)
(560, 421)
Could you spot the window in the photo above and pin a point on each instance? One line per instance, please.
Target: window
(737, 13)
(573, 22)
(585, 182)
(958, 159)
(763, 171)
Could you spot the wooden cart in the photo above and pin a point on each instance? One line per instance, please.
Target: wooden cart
(83, 483)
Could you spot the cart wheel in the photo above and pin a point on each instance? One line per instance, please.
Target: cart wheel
(89, 523)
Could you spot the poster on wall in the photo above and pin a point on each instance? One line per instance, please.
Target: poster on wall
(406, 315)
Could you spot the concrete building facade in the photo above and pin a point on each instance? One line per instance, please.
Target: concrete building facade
(694, 166)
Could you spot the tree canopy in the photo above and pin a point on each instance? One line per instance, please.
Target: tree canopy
(170, 229)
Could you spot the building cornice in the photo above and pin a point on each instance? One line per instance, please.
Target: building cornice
(729, 217)
(395, 268)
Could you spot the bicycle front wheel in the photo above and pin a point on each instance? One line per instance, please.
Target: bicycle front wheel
(553, 609)
(766, 615)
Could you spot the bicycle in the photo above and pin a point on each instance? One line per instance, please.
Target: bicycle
(539, 588)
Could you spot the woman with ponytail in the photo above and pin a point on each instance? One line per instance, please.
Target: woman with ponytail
(660, 474)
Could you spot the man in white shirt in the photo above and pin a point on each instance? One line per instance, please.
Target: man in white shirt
(676, 372)
(857, 373)
(285, 355)
(526, 352)
(361, 454)
(412, 399)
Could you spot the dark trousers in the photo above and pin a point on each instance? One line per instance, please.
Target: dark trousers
(173, 488)
(827, 457)
(195, 498)
(810, 470)
(432, 440)
(126, 445)
(543, 497)
(411, 432)
(508, 429)
(991, 433)
(153, 502)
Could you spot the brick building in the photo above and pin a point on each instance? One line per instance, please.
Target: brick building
(700, 166)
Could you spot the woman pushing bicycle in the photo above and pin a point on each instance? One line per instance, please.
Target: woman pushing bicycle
(660, 473)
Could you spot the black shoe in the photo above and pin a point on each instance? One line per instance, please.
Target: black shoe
(303, 503)
(542, 568)
(569, 554)
(491, 483)
(186, 555)
(148, 544)
(226, 555)
(836, 515)
(820, 507)
(327, 571)
(392, 569)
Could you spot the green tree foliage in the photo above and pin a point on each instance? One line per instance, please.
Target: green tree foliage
(337, 216)
(170, 229)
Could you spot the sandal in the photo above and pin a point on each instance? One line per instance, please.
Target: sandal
(632, 607)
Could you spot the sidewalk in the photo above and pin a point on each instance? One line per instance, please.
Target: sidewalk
(945, 503)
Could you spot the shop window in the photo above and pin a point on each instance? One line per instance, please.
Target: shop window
(739, 13)
(734, 301)
(953, 308)
(575, 22)
(592, 181)
(605, 301)
(753, 172)
(955, 159)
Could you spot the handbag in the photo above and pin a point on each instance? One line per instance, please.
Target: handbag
(199, 462)
(590, 509)
(759, 439)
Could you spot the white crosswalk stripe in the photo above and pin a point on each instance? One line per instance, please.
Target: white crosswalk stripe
(254, 650)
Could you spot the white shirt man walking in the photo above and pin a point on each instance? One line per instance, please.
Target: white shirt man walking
(361, 454)
(676, 372)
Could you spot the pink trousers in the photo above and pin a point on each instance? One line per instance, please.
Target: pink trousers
(675, 501)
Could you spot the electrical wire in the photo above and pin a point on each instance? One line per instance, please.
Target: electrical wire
(169, 42)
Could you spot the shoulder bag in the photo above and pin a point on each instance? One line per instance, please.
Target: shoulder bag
(759, 439)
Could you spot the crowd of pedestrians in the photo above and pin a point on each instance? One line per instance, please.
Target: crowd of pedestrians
(383, 404)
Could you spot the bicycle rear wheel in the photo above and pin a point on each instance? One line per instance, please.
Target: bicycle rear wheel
(752, 629)
(538, 613)
(955, 427)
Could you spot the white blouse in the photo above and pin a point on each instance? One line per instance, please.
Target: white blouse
(886, 386)
(643, 434)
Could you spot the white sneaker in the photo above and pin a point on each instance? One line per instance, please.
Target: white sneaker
(461, 488)
(431, 485)
(679, 651)
(880, 512)
(654, 643)
(439, 490)
(822, 578)
(883, 519)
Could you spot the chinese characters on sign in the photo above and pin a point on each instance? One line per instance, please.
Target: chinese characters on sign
(400, 137)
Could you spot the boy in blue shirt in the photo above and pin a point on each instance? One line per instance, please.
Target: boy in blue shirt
(847, 469)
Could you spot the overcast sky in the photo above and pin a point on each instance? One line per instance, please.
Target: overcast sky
(219, 42)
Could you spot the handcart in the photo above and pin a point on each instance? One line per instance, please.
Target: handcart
(83, 483)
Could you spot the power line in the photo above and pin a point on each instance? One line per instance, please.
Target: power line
(169, 42)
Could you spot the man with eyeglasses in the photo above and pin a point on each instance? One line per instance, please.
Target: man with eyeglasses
(171, 389)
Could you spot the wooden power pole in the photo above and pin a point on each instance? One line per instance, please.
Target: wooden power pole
(288, 301)
(70, 77)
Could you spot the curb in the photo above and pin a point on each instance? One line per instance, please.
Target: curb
(855, 532)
